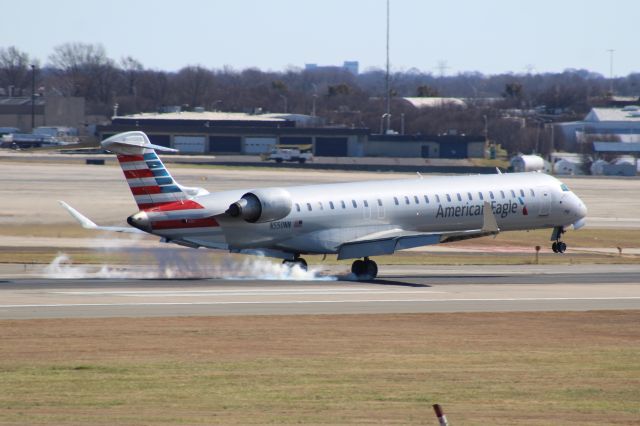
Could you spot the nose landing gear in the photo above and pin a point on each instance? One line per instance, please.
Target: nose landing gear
(558, 246)
(365, 269)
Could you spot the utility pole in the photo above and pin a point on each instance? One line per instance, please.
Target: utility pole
(611, 70)
(33, 97)
(387, 85)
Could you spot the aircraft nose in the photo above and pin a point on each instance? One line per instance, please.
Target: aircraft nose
(140, 220)
(579, 208)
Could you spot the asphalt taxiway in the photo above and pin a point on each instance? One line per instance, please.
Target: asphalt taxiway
(417, 289)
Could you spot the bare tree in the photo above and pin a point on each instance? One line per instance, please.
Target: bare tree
(193, 85)
(83, 70)
(14, 69)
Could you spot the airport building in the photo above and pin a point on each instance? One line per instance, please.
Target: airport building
(16, 112)
(204, 132)
(621, 124)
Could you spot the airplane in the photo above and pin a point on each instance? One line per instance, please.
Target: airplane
(351, 220)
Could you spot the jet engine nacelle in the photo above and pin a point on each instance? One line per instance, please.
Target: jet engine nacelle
(262, 205)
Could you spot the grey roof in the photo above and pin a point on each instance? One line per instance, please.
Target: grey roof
(631, 114)
(207, 115)
(617, 147)
(20, 101)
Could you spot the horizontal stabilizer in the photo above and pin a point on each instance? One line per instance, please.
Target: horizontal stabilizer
(132, 143)
(89, 224)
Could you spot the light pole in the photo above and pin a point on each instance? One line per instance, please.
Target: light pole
(313, 108)
(387, 79)
(284, 101)
(33, 97)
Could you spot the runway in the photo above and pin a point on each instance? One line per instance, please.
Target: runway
(417, 290)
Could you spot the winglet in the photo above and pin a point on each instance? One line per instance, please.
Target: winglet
(84, 221)
(489, 223)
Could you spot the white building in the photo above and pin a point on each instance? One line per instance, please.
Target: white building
(622, 124)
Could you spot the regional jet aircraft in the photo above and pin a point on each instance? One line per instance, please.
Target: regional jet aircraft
(353, 220)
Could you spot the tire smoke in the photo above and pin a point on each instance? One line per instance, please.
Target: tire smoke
(177, 263)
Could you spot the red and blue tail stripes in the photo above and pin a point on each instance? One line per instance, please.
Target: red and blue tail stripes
(150, 182)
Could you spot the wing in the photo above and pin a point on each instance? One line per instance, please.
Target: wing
(89, 224)
(388, 242)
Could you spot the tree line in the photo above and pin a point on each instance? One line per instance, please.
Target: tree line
(333, 93)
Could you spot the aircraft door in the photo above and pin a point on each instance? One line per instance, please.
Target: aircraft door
(545, 201)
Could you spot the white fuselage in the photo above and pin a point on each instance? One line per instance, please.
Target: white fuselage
(323, 217)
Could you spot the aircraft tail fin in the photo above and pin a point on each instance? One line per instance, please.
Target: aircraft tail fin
(150, 182)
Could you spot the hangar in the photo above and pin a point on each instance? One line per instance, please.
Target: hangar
(203, 132)
(206, 132)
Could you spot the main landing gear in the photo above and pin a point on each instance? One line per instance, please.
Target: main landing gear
(558, 246)
(365, 269)
(300, 262)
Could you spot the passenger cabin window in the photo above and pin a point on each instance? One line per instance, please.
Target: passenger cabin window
(331, 205)
(309, 206)
(426, 199)
(406, 199)
(448, 198)
(366, 203)
(502, 194)
(344, 206)
(513, 194)
(480, 196)
(355, 205)
(395, 200)
(533, 194)
(469, 196)
(379, 202)
(416, 199)
(320, 204)
(437, 198)
(522, 192)
(297, 207)
(459, 197)
(491, 195)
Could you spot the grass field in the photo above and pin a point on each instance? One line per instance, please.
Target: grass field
(499, 369)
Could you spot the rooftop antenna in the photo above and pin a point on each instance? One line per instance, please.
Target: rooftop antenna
(387, 77)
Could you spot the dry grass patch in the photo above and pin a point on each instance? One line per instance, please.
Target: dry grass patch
(508, 368)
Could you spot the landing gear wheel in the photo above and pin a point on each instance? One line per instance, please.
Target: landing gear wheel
(364, 269)
(358, 268)
(372, 269)
(559, 247)
(300, 262)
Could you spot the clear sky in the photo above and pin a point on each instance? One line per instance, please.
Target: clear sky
(490, 36)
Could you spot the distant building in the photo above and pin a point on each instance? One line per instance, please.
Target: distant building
(239, 133)
(351, 66)
(49, 111)
(621, 124)
(426, 146)
(435, 102)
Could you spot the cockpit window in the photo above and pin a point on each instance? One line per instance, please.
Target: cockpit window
(565, 188)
